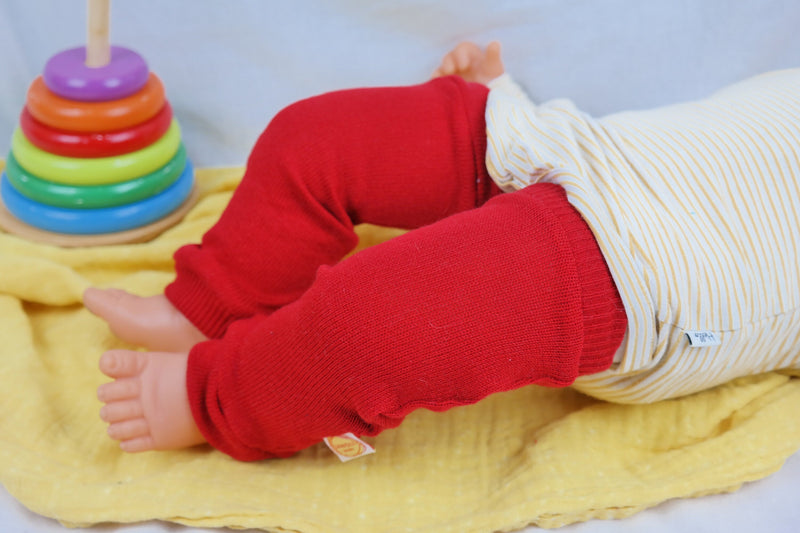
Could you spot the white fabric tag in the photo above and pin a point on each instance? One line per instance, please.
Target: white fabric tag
(348, 447)
(701, 339)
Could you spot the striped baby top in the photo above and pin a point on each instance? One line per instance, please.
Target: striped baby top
(696, 208)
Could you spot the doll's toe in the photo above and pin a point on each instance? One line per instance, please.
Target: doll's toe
(121, 411)
(121, 389)
(129, 429)
(122, 363)
(139, 444)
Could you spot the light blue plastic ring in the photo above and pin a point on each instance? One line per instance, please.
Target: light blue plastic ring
(100, 220)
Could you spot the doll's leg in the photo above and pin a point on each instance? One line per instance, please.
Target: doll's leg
(512, 293)
(401, 157)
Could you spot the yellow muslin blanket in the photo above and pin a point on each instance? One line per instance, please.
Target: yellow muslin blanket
(532, 456)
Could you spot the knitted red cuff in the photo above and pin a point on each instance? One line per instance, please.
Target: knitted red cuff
(196, 291)
(604, 318)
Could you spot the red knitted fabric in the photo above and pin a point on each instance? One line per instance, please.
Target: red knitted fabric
(400, 157)
(478, 301)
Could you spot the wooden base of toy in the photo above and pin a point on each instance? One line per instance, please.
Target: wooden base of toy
(13, 225)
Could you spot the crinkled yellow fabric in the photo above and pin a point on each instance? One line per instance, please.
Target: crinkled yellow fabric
(533, 456)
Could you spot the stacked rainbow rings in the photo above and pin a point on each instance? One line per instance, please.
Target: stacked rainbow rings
(97, 149)
(90, 196)
(111, 219)
(98, 144)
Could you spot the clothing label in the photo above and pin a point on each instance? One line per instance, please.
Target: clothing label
(703, 338)
(348, 447)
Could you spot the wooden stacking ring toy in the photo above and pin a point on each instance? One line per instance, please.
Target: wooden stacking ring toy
(94, 196)
(101, 220)
(104, 144)
(67, 75)
(98, 170)
(97, 158)
(61, 113)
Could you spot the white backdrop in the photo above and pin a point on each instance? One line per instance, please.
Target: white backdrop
(229, 66)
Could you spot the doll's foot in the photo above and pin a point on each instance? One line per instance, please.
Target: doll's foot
(147, 407)
(152, 322)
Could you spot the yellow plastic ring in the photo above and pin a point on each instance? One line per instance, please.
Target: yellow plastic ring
(98, 170)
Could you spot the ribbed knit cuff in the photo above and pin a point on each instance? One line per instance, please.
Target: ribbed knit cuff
(604, 318)
(196, 297)
(203, 375)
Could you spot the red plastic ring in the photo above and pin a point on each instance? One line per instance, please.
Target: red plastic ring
(86, 145)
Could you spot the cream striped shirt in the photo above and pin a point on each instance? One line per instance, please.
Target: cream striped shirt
(696, 208)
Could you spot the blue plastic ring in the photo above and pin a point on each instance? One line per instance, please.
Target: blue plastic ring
(100, 220)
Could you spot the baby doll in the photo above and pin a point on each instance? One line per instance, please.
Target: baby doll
(637, 257)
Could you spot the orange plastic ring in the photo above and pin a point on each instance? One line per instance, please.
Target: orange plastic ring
(71, 115)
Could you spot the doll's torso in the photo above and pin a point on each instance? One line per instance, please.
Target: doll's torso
(697, 209)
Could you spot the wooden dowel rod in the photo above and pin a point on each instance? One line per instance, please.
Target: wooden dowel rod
(98, 49)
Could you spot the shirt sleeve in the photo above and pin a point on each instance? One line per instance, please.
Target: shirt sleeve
(506, 84)
(527, 141)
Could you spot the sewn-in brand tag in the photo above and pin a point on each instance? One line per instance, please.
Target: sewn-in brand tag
(701, 339)
(348, 447)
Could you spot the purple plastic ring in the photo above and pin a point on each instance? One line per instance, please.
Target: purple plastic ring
(67, 75)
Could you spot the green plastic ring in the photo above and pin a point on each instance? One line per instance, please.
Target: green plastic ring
(98, 170)
(94, 196)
